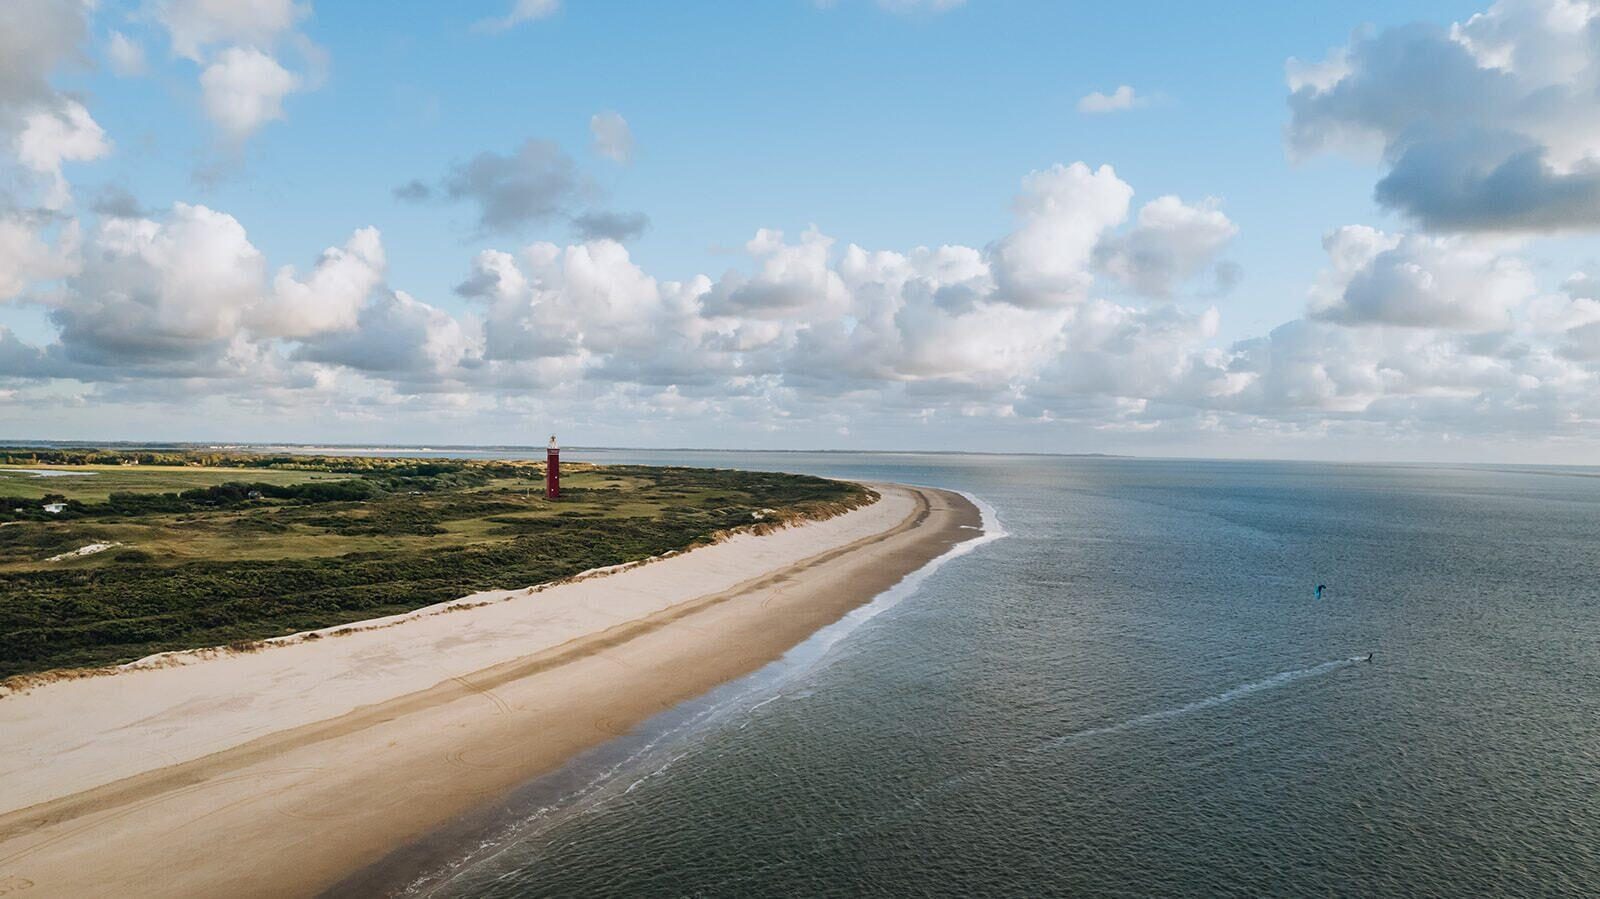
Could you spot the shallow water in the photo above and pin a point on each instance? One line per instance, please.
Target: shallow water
(1134, 693)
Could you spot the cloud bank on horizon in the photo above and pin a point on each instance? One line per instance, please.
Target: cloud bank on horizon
(1091, 321)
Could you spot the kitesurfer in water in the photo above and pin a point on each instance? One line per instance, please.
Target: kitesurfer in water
(1320, 588)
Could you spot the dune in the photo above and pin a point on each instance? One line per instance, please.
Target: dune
(281, 772)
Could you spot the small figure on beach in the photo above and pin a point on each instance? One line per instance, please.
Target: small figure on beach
(1320, 588)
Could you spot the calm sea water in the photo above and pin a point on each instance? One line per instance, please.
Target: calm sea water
(1134, 693)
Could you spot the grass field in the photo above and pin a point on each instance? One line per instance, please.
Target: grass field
(93, 483)
(205, 556)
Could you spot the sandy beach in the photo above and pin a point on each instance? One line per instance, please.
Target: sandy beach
(282, 771)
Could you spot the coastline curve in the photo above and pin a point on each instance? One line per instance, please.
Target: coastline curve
(296, 810)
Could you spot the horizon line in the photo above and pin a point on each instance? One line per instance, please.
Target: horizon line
(448, 447)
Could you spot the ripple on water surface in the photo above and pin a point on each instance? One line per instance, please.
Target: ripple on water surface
(1137, 693)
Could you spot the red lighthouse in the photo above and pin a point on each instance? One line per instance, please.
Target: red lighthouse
(552, 470)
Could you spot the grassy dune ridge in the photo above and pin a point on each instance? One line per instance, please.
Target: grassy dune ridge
(213, 550)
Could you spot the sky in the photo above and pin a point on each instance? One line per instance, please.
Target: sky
(1353, 230)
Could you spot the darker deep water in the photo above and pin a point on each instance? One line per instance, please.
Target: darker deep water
(1136, 693)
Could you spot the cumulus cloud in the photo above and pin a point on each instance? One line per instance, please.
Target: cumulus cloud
(398, 336)
(1124, 97)
(521, 11)
(1490, 124)
(1170, 243)
(37, 36)
(165, 293)
(116, 201)
(618, 226)
(811, 319)
(243, 82)
(805, 332)
(1062, 214)
(125, 55)
(535, 184)
(556, 315)
(41, 126)
(196, 25)
(414, 191)
(1418, 281)
(931, 318)
(1110, 350)
(794, 279)
(26, 257)
(1582, 343)
(51, 137)
(612, 137)
(244, 89)
(186, 294)
(330, 298)
(1582, 286)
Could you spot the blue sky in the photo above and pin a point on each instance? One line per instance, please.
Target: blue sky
(887, 130)
(885, 126)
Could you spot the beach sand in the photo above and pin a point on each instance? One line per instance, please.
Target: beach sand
(283, 771)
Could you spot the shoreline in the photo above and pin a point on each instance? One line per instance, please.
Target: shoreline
(425, 864)
(304, 804)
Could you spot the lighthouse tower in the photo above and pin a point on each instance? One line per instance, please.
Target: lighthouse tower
(552, 470)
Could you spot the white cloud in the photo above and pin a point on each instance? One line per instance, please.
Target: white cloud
(52, 137)
(1124, 97)
(398, 336)
(931, 317)
(196, 25)
(807, 334)
(331, 298)
(617, 226)
(1170, 243)
(613, 138)
(126, 55)
(165, 294)
(243, 82)
(1417, 281)
(1490, 124)
(537, 183)
(243, 89)
(1318, 77)
(41, 126)
(794, 280)
(36, 36)
(521, 11)
(1062, 213)
(26, 258)
(586, 310)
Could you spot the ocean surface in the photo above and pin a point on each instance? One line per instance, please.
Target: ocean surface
(1132, 692)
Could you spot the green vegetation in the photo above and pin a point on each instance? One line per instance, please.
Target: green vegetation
(94, 483)
(219, 549)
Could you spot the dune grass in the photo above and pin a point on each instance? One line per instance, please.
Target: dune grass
(93, 483)
(233, 553)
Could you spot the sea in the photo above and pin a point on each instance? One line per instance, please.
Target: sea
(1128, 687)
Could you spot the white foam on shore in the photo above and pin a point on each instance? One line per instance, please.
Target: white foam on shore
(816, 646)
(663, 739)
